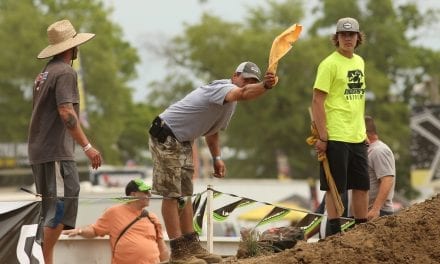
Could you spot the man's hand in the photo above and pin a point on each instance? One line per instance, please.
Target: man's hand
(86, 231)
(219, 168)
(321, 147)
(270, 80)
(72, 232)
(94, 157)
(372, 214)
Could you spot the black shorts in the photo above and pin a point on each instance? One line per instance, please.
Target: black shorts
(58, 183)
(349, 166)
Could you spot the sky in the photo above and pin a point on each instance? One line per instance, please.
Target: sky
(142, 20)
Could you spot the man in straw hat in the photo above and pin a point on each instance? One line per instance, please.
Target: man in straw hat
(54, 129)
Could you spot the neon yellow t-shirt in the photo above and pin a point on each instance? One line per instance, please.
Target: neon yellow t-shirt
(343, 80)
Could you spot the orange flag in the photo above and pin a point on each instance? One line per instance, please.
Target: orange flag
(282, 44)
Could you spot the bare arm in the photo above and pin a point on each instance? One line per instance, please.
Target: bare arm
(385, 185)
(164, 253)
(71, 121)
(252, 90)
(213, 142)
(319, 117)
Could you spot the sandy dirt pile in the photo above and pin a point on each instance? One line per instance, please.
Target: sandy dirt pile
(410, 236)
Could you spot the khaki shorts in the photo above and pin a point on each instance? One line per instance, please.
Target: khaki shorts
(173, 167)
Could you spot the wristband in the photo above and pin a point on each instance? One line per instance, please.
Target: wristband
(266, 86)
(214, 159)
(87, 147)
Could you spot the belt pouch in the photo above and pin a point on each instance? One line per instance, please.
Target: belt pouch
(157, 130)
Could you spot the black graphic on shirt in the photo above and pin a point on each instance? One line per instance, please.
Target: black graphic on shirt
(355, 81)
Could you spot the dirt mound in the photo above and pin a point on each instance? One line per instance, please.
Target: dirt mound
(411, 236)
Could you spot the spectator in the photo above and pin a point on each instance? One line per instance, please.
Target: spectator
(382, 172)
(135, 234)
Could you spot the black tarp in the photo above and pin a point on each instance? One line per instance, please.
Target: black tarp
(19, 242)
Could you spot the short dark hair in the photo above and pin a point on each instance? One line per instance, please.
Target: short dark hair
(360, 40)
(137, 185)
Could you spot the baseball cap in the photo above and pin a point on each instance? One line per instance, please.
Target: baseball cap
(249, 70)
(137, 185)
(347, 24)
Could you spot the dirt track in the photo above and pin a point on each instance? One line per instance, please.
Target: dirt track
(412, 236)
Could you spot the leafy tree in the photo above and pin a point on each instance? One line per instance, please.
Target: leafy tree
(108, 63)
(211, 49)
(279, 121)
(386, 42)
(133, 140)
(20, 24)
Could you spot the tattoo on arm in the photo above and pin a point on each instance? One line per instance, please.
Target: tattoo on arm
(68, 115)
(70, 121)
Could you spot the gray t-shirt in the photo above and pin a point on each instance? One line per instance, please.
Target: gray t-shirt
(49, 139)
(380, 163)
(202, 112)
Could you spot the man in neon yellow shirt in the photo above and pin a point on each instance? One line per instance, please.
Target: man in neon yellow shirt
(338, 111)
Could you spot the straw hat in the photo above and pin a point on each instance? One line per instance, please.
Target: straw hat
(62, 36)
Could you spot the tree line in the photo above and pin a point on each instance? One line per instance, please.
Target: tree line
(211, 49)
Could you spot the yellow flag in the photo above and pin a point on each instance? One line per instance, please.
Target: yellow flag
(282, 44)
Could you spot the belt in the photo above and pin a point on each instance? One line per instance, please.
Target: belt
(160, 130)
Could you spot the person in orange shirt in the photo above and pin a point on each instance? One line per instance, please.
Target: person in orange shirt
(135, 234)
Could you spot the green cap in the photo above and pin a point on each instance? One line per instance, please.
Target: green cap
(137, 185)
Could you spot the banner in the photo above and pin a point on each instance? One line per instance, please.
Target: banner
(222, 213)
(276, 214)
(198, 218)
(18, 233)
(308, 221)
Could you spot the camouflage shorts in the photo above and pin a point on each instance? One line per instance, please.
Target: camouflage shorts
(173, 167)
